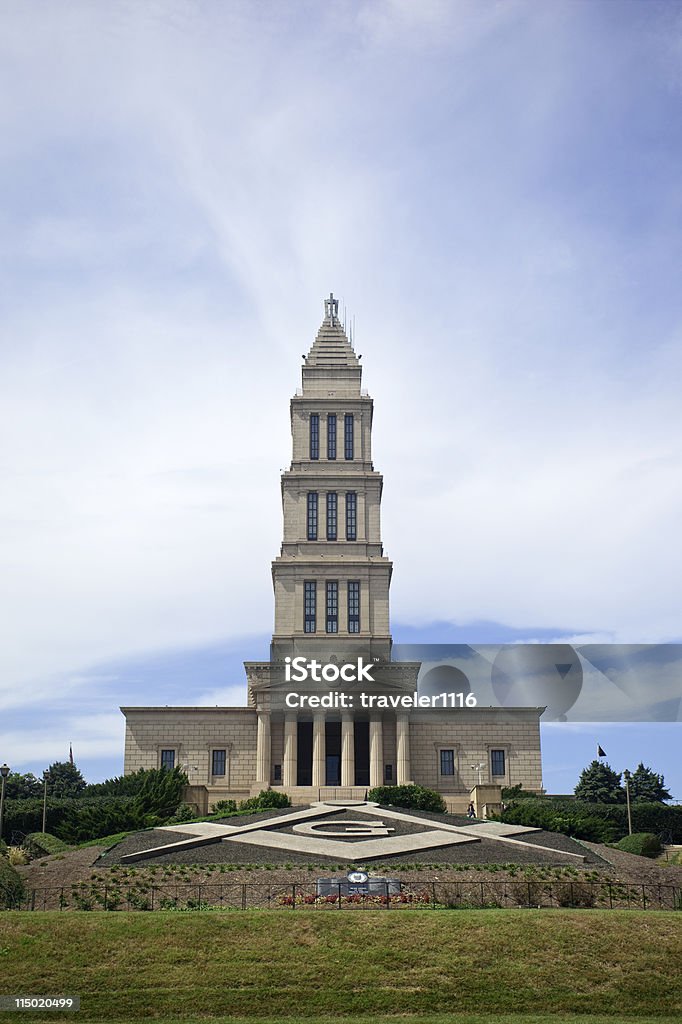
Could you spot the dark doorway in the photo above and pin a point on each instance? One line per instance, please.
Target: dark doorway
(362, 753)
(332, 736)
(304, 767)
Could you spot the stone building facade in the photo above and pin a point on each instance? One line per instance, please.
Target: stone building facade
(331, 584)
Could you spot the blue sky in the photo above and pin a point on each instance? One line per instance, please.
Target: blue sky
(494, 191)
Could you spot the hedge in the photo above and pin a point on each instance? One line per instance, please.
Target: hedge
(644, 844)
(416, 797)
(77, 819)
(42, 843)
(597, 823)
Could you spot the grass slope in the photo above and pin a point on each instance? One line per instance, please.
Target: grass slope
(307, 964)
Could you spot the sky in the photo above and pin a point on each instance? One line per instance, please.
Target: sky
(493, 190)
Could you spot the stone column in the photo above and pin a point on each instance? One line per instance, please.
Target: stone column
(319, 752)
(403, 768)
(290, 773)
(347, 751)
(376, 753)
(263, 749)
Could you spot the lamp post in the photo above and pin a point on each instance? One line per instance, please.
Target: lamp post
(4, 772)
(627, 776)
(44, 801)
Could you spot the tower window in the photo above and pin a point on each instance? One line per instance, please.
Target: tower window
(351, 515)
(218, 761)
(332, 508)
(332, 606)
(331, 435)
(353, 606)
(310, 606)
(348, 435)
(497, 762)
(312, 515)
(314, 435)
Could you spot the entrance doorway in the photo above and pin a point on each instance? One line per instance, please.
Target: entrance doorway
(332, 735)
(361, 753)
(304, 766)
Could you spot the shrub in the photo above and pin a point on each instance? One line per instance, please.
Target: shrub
(17, 855)
(40, 844)
(11, 886)
(644, 844)
(416, 797)
(183, 813)
(224, 807)
(266, 799)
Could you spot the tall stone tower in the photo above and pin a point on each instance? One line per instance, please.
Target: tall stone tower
(331, 579)
(331, 582)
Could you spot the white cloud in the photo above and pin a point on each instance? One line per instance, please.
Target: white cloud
(184, 185)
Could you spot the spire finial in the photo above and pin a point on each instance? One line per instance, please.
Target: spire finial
(331, 308)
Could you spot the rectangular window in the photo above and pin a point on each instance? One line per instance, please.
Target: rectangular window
(277, 773)
(168, 759)
(332, 607)
(312, 515)
(218, 762)
(388, 773)
(353, 606)
(314, 435)
(331, 515)
(497, 762)
(351, 515)
(310, 610)
(348, 435)
(331, 435)
(447, 762)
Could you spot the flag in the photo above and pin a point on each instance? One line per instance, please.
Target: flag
(600, 752)
(71, 753)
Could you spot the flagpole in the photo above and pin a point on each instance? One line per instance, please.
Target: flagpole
(626, 776)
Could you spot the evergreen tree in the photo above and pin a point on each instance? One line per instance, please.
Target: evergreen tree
(647, 785)
(22, 787)
(598, 783)
(64, 779)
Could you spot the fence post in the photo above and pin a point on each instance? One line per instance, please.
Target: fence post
(243, 895)
(153, 890)
(433, 895)
(388, 900)
(643, 898)
(528, 884)
(572, 897)
(339, 895)
(481, 895)
(610, 896)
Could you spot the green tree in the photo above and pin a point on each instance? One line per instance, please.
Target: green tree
(645, 784)
(22, 787)
(64, 779)
(599, 784)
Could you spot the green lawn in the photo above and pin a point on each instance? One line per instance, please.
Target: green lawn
(524, 967)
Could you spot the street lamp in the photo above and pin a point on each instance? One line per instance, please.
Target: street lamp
(627, 776)
(4, 772)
